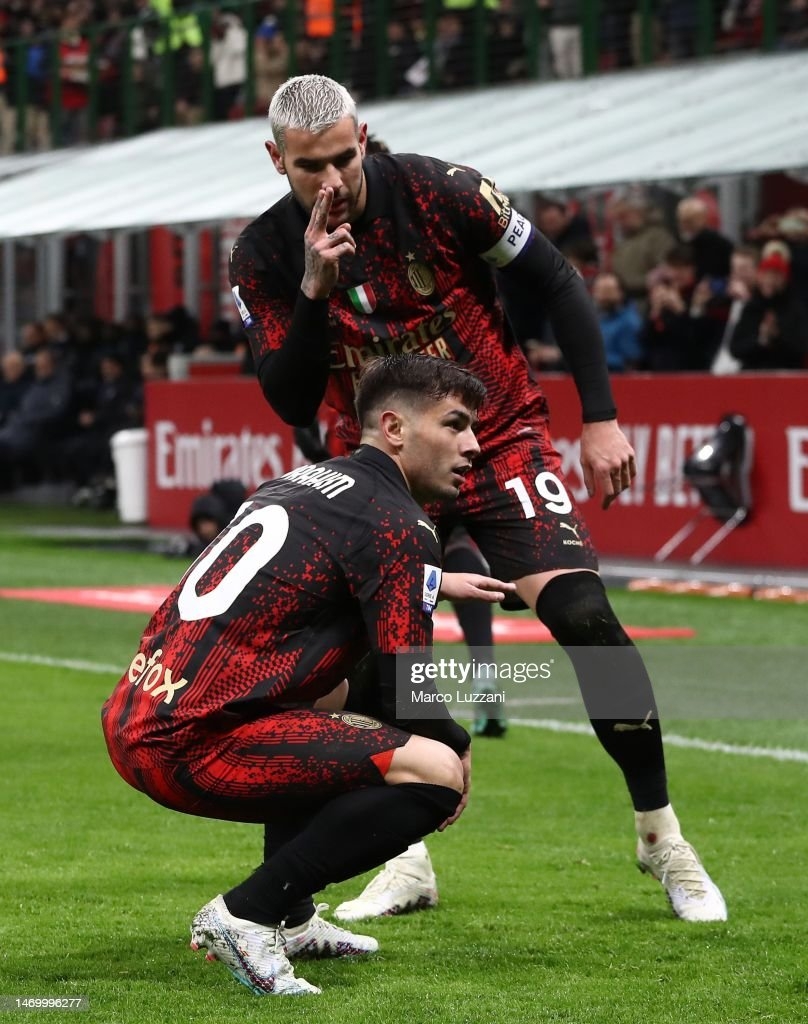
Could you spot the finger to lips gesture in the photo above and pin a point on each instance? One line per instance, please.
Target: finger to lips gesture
(323, 248)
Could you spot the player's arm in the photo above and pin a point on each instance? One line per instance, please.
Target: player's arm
(288, 335)
(397, 593)
(607, 459)
(485, 220)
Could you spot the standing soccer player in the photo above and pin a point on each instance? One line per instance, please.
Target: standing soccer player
(217, 714)
(395, 253)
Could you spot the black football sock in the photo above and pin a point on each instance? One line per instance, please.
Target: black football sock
(276, 835)
(614, 683)
(350, 834)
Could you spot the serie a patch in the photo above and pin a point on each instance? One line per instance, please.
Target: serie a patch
(241, 306)
(429, 597)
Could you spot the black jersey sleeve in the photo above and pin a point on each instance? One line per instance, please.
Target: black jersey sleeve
(485, 220)
(541, 270)
(396, 580)
(287, 332)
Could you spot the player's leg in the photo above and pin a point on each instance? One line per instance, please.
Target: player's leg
(529, 530)
(575, 608)
(338, 816)
(476, 620)
(407, 882)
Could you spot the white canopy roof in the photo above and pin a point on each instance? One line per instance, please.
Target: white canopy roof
(722, 117)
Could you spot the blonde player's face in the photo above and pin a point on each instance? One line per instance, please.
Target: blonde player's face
(332, 158)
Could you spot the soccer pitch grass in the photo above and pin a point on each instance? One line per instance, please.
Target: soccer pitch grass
(543, 916)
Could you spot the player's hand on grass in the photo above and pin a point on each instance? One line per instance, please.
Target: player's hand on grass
(465, 760)
(471, 586)
(607, 460)
(323, 248)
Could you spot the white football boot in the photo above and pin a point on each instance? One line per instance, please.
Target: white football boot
(692, 894)
(404, 884)
(253, 953)
(318, 938)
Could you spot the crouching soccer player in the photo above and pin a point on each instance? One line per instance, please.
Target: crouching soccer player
(216, 715)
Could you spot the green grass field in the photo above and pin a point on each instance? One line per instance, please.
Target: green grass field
(543, 915)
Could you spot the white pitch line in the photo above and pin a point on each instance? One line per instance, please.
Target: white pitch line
(673, 740)
(548, 724)
(80, 666)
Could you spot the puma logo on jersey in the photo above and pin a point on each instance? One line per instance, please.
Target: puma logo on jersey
(428, 526)
(577, 543)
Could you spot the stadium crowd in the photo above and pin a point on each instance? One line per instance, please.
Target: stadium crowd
(672, 294)
(121, 44)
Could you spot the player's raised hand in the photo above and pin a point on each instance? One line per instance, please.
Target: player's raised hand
(323, 248)
(607, 460)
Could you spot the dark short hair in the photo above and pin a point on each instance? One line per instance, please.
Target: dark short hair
(420, 379)
(681, 256)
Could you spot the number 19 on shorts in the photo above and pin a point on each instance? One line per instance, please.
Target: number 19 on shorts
(549, 490)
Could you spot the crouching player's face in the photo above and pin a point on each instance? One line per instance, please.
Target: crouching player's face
(438, 445)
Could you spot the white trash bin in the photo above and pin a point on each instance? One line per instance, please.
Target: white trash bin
(129, 457)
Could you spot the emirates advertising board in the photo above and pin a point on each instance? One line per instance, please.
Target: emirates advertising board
(208, 429)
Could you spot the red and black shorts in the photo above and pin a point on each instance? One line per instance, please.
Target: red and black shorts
(516, 507)
(250, 772)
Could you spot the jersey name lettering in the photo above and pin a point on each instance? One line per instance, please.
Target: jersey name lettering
(328, 482)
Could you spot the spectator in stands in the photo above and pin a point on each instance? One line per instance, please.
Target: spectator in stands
(189, 85)
(404, 54)
(58, 335)
(38, 419)
(741, 25)
(32, 338)
(558, 221)
(794, 25)
(616, 34)
(111, 54)
(772, 332)
(711, 249)
(228, 55)
(643, 243)
(14, 382)
(789, 229)
(679, 21)
(112, 406)
(620, 324)
(564, 35)
(453, 52)
(739, 290)
(8, 116)
(686, 316)
(74, 74)
(154, 365)
(270, 61)
(507, 56)
(37, 114)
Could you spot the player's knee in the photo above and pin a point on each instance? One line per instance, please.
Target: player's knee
(445, 769)
(576, 610)
(427, 761)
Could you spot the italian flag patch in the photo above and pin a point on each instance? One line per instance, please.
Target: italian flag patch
(363, 298)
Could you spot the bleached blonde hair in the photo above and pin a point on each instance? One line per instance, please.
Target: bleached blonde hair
(310, 103)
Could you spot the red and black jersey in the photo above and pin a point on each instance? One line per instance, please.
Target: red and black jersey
(317, 568)
(421, 280)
